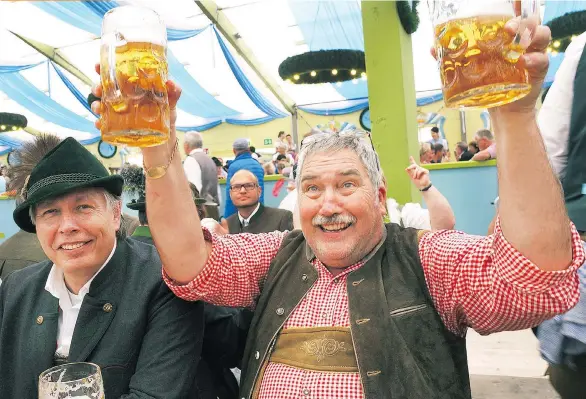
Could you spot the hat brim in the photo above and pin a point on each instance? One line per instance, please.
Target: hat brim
(113, 184)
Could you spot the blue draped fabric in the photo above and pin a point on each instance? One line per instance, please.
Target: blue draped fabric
(347, 107)
(329, 25)
(88, 16)
(27, 95)
(200, 128)
(255, 96)
(74, 90)
(249, 122)
(11, 139)
(17, 68)
(429, 99)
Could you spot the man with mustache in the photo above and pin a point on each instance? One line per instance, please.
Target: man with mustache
(348, 307)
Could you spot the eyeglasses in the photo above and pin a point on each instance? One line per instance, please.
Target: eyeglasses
(247, 186)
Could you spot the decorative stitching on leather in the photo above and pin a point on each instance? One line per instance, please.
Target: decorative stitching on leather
(64, 178)
(320, 348)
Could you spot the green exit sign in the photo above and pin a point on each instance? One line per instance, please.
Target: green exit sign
(268, 141)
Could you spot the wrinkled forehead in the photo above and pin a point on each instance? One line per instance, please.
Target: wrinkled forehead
(77, 195)
(340, 163)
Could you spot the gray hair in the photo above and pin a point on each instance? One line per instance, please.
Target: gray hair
(487, 134)
(282, 146)
(194, 140)
(111, 202)
(334, 142)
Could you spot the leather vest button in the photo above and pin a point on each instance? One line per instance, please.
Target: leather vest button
(304, 277)
(107, 307)
(280, 311)
(40, 320)
(257, 355)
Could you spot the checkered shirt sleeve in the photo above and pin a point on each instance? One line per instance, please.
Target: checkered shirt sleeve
(486, 284)
(235, 270)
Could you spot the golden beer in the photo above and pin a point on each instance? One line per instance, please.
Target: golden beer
(479, 63)
(135, 107)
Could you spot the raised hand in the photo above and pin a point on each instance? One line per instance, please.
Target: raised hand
(173, 92)
(419, 176)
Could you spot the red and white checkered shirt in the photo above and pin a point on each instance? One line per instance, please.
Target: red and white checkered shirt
(479, 282)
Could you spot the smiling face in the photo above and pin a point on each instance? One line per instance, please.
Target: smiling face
(77, 231)
(341, 212)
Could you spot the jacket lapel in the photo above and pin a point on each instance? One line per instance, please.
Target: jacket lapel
(99, 306)
(43, 332)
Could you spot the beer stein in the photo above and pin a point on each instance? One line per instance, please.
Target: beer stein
(135, 106)
(72, 380)
(478, 59)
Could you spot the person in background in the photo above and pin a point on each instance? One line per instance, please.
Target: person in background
(242, 161)
(440, 212)
(291, 146)
(280, 139)
(255, 154)
(485, 141)
(4, 180)
(269, 168)
(438, 153)
(282, 150)
(435, 138)
(220, 168)
(473, 148)
(252, 216)
(201, 170)
(562, 121)
(425, 153)
(462, 153)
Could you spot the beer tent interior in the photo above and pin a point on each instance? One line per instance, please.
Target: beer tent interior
(219, 87)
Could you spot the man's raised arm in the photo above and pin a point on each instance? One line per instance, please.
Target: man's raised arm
(171, 211)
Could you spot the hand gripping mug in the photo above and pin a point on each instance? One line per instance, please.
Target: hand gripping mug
(135, 106)
(478, 59)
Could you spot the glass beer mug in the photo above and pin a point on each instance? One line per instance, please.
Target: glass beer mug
(478, 59)
(72, 380)
(135, 106)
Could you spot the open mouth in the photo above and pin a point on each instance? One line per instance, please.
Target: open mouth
(334, 228)
(73, 246)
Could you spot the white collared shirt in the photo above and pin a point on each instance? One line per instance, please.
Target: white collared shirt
(556, 111)
(69, 305)
(192, 169)
(244, 222)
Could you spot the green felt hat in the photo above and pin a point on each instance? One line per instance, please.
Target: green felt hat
(67, 167)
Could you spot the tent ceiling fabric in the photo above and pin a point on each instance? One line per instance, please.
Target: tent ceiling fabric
(272, 29)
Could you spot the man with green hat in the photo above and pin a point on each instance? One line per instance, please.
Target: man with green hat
(97, 299)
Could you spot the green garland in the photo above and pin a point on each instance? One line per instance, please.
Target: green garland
(9, 121)
(408, 15)
(563, 28)
(323, 66)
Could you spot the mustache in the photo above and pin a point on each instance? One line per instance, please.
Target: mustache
(334, 219)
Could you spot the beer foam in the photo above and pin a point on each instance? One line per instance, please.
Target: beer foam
(469, 9)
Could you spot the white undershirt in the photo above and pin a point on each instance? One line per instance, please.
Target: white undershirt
(244, 222)
(69, 305)
(556, 111)
(193, 170)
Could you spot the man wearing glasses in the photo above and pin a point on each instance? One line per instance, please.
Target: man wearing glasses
(251, 215)
(348, 307)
